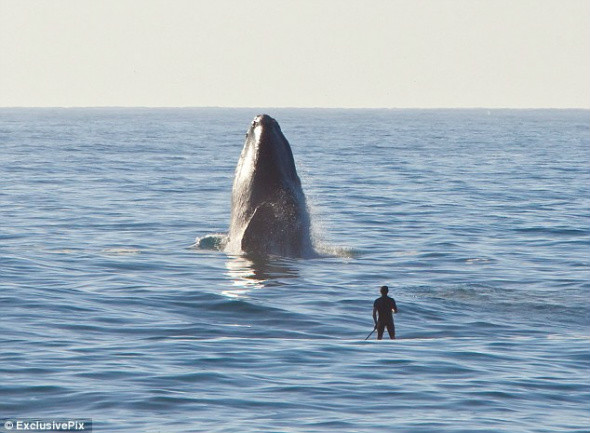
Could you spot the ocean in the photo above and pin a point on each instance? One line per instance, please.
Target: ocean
(477, 220)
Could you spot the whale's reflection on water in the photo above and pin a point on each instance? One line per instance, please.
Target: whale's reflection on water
(248, 274)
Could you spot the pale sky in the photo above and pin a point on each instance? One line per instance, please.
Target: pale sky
(295, 53)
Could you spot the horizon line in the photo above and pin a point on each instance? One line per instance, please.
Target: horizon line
(286, 107)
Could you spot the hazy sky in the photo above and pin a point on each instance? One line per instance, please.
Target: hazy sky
(296, 53)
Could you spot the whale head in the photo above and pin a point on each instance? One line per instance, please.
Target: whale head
(269, 214)
(266, 158)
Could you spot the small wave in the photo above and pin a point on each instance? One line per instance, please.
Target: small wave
(478, 261)
(218, 241)
(554, 231)
(64, 251)
(121, 251)
(325, 250)
(214, 241)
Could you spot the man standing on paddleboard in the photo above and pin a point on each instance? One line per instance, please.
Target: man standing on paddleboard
(384, 306)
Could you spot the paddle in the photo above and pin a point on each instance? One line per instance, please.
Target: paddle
(371, 333)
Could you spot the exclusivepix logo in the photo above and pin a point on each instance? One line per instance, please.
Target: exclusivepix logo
(37, 425)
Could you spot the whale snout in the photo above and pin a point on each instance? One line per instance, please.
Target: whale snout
(265, 133)
(264, 120)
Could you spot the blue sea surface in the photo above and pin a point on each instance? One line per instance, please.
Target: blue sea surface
(478, 220)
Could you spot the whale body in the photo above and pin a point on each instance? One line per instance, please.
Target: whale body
(269, 214)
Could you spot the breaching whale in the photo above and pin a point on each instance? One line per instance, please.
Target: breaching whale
(269, 214)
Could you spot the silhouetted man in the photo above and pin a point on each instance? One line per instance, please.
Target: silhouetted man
(384, 306)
